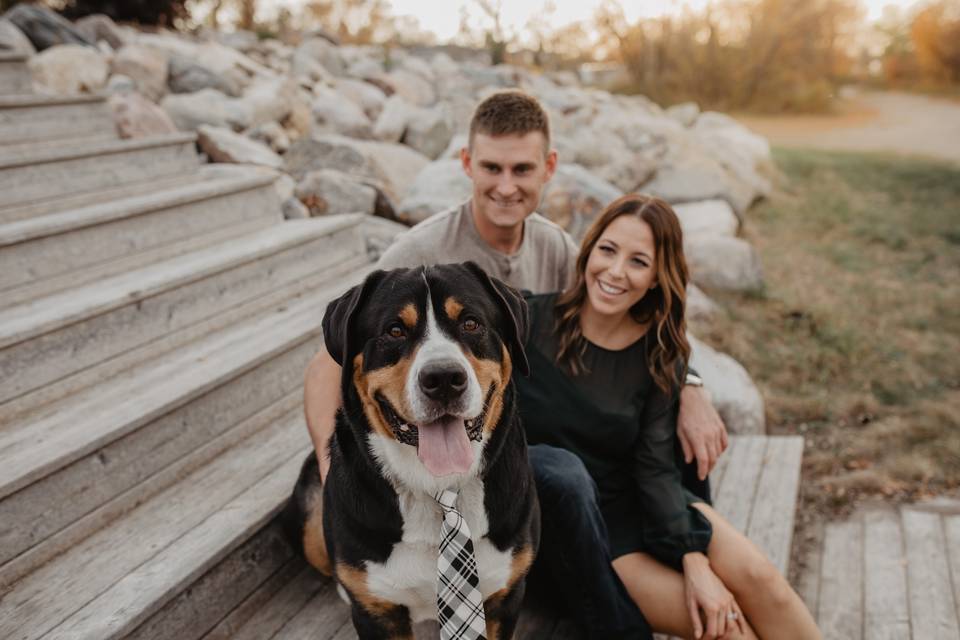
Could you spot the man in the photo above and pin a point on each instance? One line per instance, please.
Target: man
(509, 161)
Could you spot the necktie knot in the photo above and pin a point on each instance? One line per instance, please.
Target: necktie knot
(447, 499)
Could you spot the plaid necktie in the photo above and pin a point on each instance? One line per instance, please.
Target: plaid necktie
(459, 603)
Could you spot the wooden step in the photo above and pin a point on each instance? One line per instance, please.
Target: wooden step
(15, 78)
(74, 465)
(32, 118)
(49, 338)
(55, 244)
(116, 579)
(47, 172)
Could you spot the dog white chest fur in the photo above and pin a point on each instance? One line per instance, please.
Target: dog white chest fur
(409, 576)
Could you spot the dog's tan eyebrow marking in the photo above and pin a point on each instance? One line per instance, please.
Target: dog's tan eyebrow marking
(409, 315)
(452, 307)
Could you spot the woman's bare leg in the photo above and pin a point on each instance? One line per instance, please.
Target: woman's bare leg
(659, 592)
(766, 598)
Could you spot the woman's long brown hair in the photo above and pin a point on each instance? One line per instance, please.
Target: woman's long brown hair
(662, 307)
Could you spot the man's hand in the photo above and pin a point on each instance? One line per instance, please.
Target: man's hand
(701, 431)
(321, 399)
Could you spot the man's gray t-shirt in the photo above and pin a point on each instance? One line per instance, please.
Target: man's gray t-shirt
(543, 263)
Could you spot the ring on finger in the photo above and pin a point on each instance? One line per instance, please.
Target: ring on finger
(732, 615)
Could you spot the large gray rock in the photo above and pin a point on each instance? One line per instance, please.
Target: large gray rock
(333, 114)
(99, 27)
(313, 52)
(270, 99)
(425, 129)
(363, 94)
(735, 396)
(441, 185)
(271, 134)
(412, 87)
(12, 39)
(190, 110)
(574, 197)
(147, 67)
(388, 167)
(709, 217)
(685, 113)
(223, 145)
(687, 173)
(69, 69)
(329, 191)
(744, 154)
(721, 262)
(392, 122)
(45, 28)
(188, 76)
(137, 117)
(699, 305)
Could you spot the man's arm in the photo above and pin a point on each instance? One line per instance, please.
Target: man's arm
(701, 431)
(321, 399)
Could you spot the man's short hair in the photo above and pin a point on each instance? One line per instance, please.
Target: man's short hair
(510, 113)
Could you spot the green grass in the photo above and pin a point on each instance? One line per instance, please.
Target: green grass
(856, 340)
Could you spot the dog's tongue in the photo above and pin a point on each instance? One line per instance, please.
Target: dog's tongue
(444, 447)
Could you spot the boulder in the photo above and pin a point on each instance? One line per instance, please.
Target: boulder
(210, 107)
(411, 86)
(147, 67)
(723, 262)
(734, 395)
(426, 130)
(137, 117)
(270, 99)
(187, 76)
(363, 94)
(12, 39)
(387, 167)
(442, 184)
(223, 145)
(687, 173)
(69, 69)
(45, 28)
(699, 305)
(457, 143)
(333, 114)
(293, 209)
(271, 134)
(709, 218)
(379, 234)
(98, 27)
(741, 152)
(329, 191)
(119, 83)
(363, 68)
(443, 65)
(685, 113)
(313, 52)
(393, 119)
(574, 197)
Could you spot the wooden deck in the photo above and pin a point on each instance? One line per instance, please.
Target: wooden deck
(754, 486)
(888, 574)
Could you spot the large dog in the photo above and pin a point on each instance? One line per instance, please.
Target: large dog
(428, 405)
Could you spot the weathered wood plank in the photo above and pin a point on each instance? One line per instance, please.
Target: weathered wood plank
(141, 592)
(933, 612)
(885, 577)
(735, 498)
(322, 618)
(43, 599)
(841, 587)
(346, 632)
(951, 528)
(273, 605)
(716, 476)
(808, 584)
(771, 521)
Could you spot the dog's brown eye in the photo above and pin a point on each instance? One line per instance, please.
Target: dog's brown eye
(395, 330)
(470, 325)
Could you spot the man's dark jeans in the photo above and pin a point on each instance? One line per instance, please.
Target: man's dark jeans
(573, 563)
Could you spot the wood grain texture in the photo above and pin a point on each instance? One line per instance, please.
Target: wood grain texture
(771, 520)
(886, 616)
(933, 612)
(840, 612)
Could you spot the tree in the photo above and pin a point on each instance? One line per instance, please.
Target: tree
(935, 34)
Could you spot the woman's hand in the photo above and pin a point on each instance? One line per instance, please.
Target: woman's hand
(706, 592)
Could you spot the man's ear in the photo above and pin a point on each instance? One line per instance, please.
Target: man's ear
(551, 164)
(514, 309)
(466, 161)
(339, 321)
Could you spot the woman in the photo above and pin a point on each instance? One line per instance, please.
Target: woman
(606, 357)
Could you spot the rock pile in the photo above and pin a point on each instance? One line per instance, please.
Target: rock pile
(362, 128)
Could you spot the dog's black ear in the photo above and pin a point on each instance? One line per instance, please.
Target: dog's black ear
(514, 307)
(339, 319)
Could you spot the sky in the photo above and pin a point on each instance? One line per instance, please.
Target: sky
(442, 18)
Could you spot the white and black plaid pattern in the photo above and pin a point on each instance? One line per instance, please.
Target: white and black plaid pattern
(459, 603)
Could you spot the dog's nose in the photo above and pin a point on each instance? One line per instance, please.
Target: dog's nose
(443, 381)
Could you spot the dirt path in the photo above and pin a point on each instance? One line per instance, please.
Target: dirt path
(872, 121)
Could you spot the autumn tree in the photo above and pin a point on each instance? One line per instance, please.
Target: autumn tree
(935, 34)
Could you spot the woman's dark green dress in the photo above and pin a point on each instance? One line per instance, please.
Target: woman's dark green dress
(623, 427)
